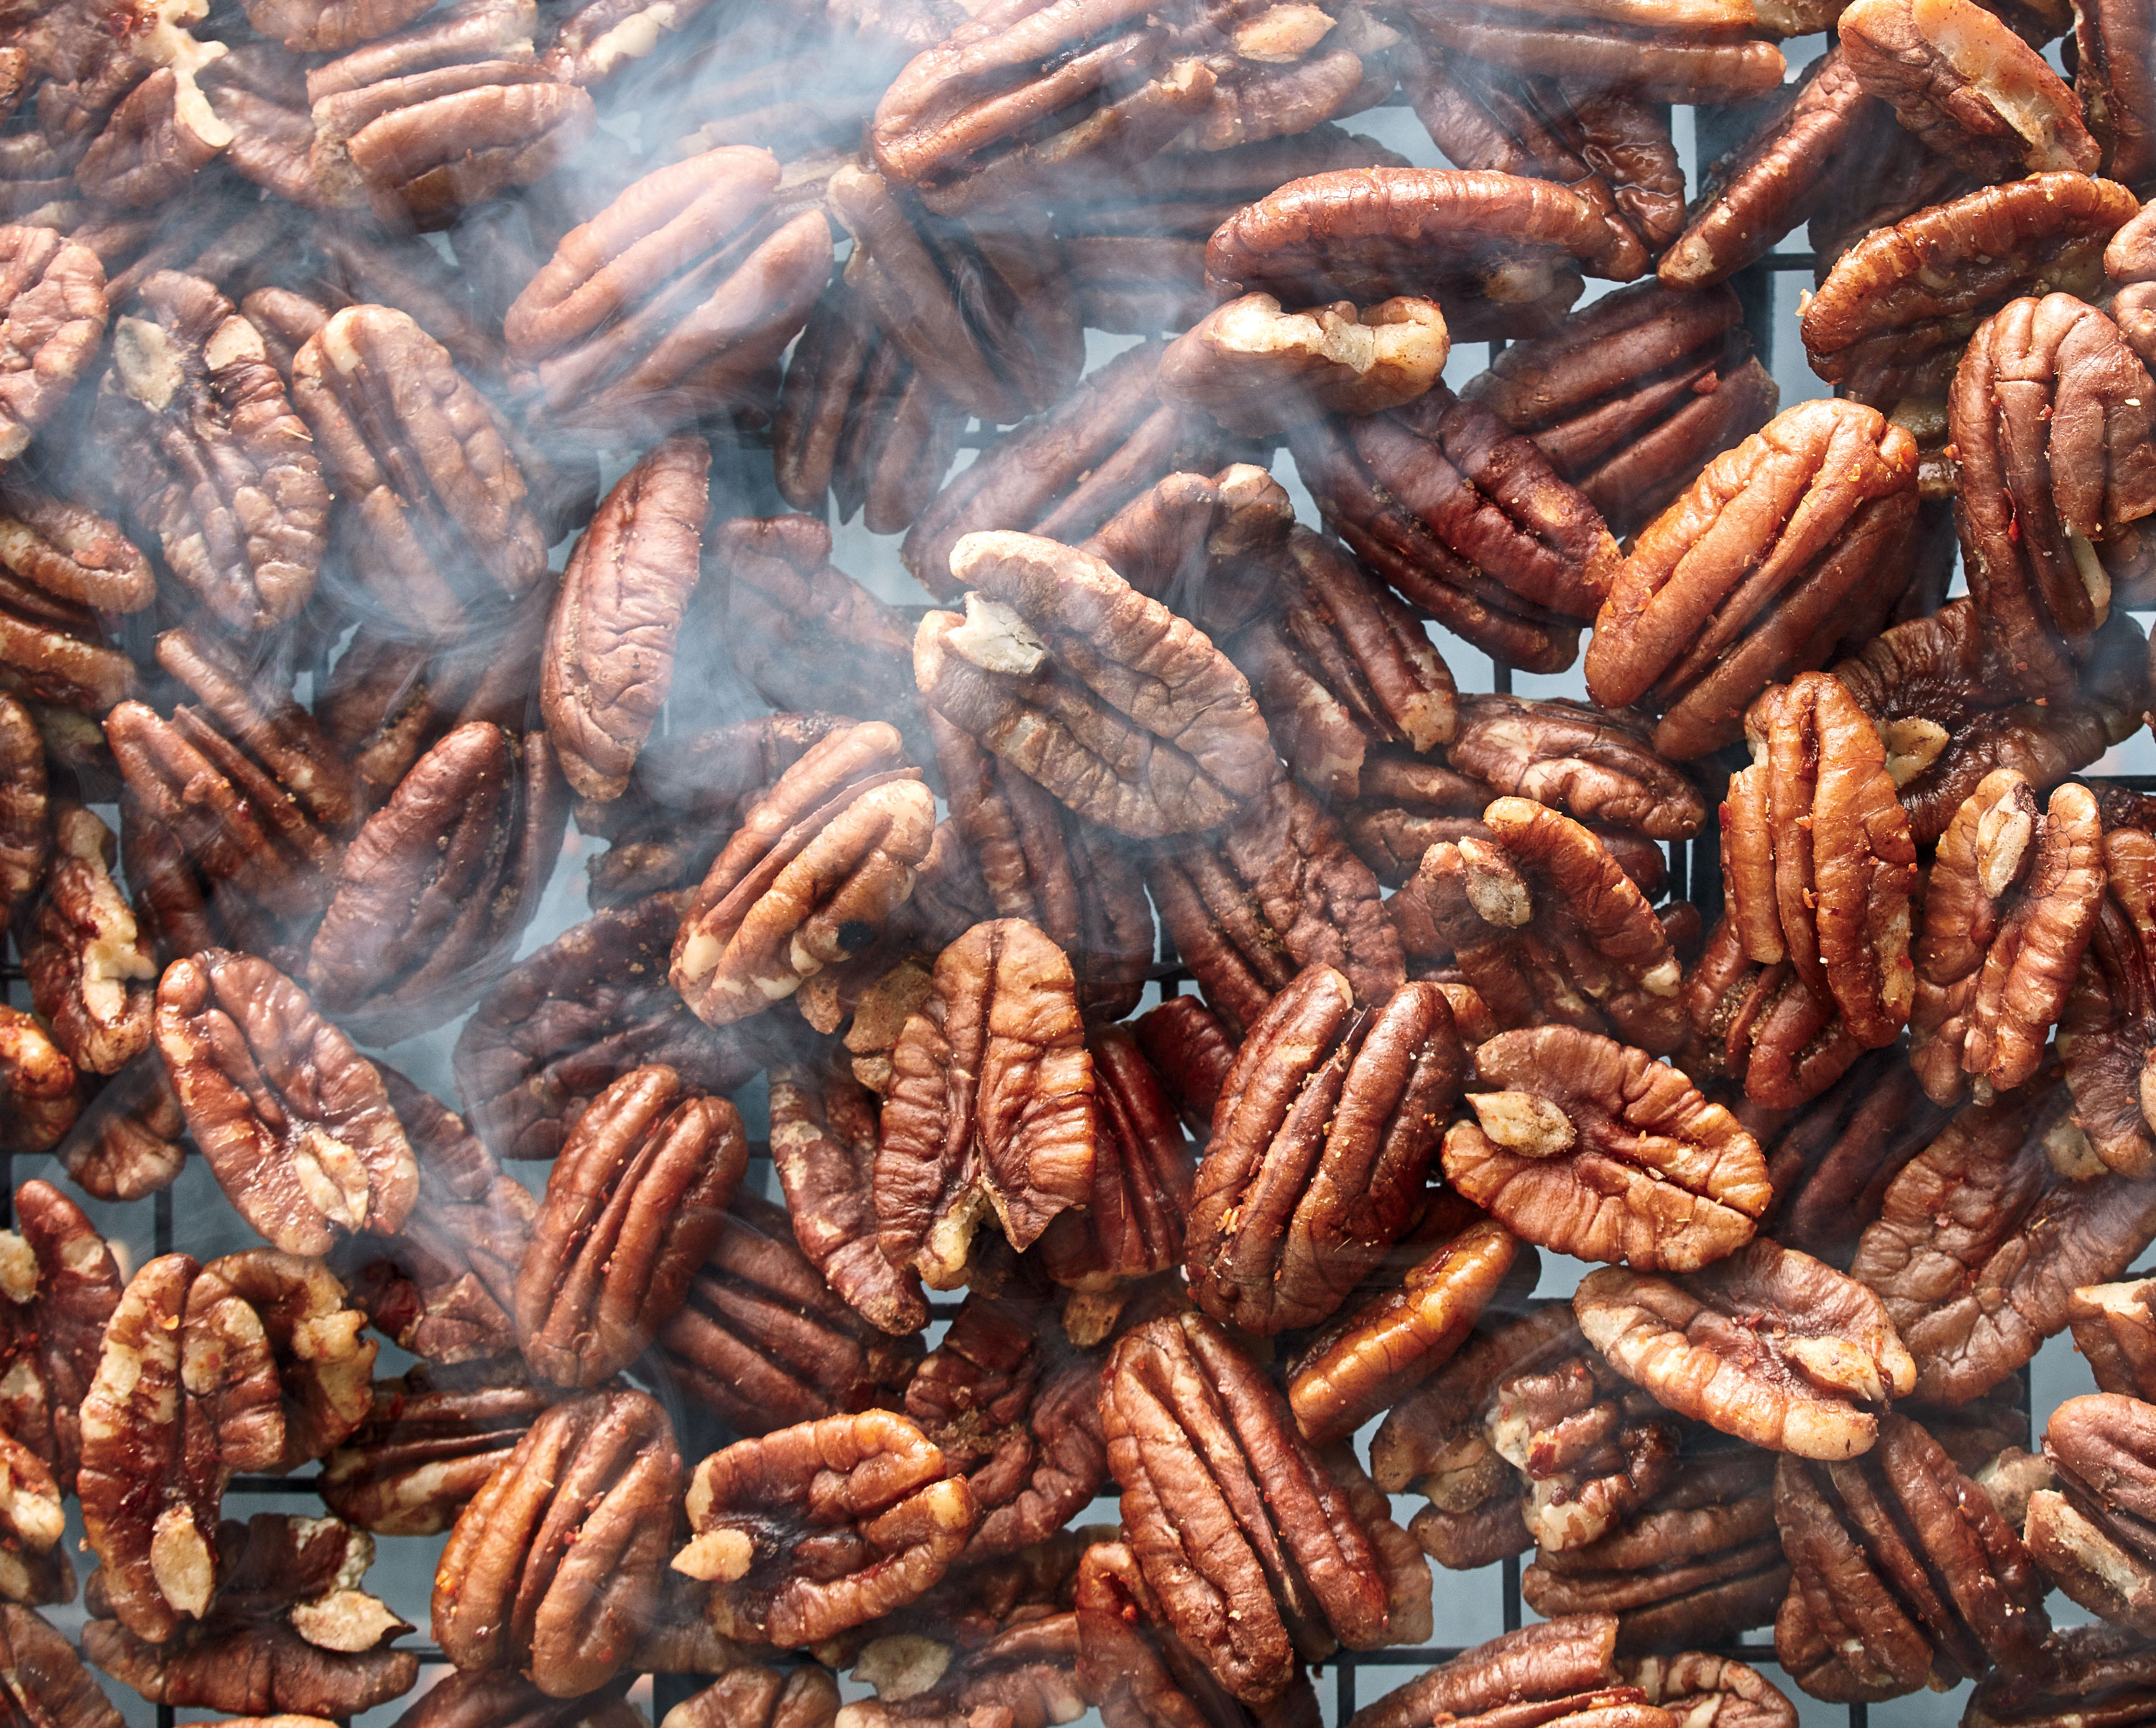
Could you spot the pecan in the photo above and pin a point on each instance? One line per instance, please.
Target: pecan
(1408, 805)
(2051, 415)
(673, 301)
(763, 1340)
(1256, 367)
(330, 26)
(1324, 1130)
(635, 1203)
(1630, 397)
(1468, 519)
(1594, 1150)
(323, 1364)
(43, 1679)
(556, 1561)
(2113, 83)
(293, 1120)
(437, 502)
(1901, 1570)
(500, 1698)
(39, 1097)
(1960, 78)
(812, 1529)
(61, 1284)
(69, 553)
(1986, 1231)
(88, 965)
(438, 885)
(1769, 1345)
(1191, 1048)
(2010, 906)
(2089, 1531)
(162, 132)
(1598, 767)
(758, 1696)
(429, 1443)
(1220, 547)
(2115, 1328)
(1558, 1668)
(1892, 315)
(52, 319)
(812, 875)
(2104, 1032)
(229, 482)
(2100, 1668)
(1239, 1528)
(609, 655)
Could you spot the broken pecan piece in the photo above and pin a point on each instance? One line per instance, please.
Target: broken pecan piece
(52, 320)
(2115, 1328)
(61, 1285)
(1256, 367)
(2089, 1531)
(89, 968)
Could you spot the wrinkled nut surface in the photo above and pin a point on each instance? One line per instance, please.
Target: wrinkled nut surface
(52, 319)
(1551, 1668)
(813, 1529)
(293, 1120)
(429, 1441)
(2115, 1328)
(1597, 767)
(61, 1285)
(1703, 1690)
(1126, 712)
(43, 1679)
(554, 1565)
(1769, 1345)
(1587, 1148)
(1256, 367)
(89, 967)
(324, 1364)
(2089, 1531)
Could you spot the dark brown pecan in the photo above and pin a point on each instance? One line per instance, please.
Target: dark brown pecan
(1768, 1345)
(634, 1204)
(90, 970)
(1986, 1231)
(322, 1362)
(1891, 317)
(2050, 415)
(44, 1681)
(501, 1698)
(812, 875)
(1557, 1669)
(1256, 367)
(2103, 1668)
(61, 1284)
(430, 1442)
(2105, 1032)
(1126, 712)
(1592, 1149)
(162, 133)
(1641, 56)
(813, 1529)
(221, 468)
(1902, 1570)
(758, 1696)
(69, 553)
(330, 26)
(2010, 904)
(609, 655)
(554, 1564)
(1191, 1048)
(440, 515)
(1219, 547)
(2089, 1530)
(2112, 82)
(1468, 519)
(1597, 766)
(1239, 1526)
(2115, 1330)
(1325, 1128)
(763, 1340)
(1631, 397)
(673, 301)
(52, 319)
(293, 1120)
(1960, 78)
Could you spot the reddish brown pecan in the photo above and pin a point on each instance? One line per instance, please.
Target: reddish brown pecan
(1191, 1048)
(1127, 713)
(1701, 1689)
(1321, 1137)
(1598, 766)
(69, 553)
(2104, 1667)
(293, 1120)
(758, 1696)
(1256, 367)
(1555, 1669)
(2115, 1330)
(811, 1530)
(52, 319)
(39, 1094)
(1769, 1345)
(322, 1362)
(330, 26)
(61, 1284)
(45, 1680)
(2088, 1531)
(89, 967)
(674, 300)
(430, 1442)
(554, 1564)
(2111, 82)
(2105, 1031)
(1237, 1523)
(2010, 906)
(500, 1698)
(1902, 1570)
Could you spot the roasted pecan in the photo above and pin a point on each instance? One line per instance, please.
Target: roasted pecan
(2115, 1328)
(1561, 1667)
(501, 1698)
(1256, 367)
(674, 301)
(634, 1204)
(812, 1529)
(1468, 519)
(1902, 1570)
(1239, 1528)
(1769, 1345)
(1597, 766)
(2104, 1032)
(43, 1679)
(57, 562)
(1191, 1048)
(39, 1096)
(294, 1120)
(429, 1443)
(61, 1284)
(2089, 1531)
(2010, 906)
(1595, 1150)
(1219, 547)
(52, 319)
(2050, 415)
(323, 1364)
(89, 967)
(2113, 83)
(1635, 52)
(2106, 1668)
(555, 1563)
(758, 1696)
(1701, 1689)
(1127, 713)
(1960, 78)
(438, 512)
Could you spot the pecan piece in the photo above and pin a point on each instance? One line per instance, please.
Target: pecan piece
(1768, 1345)
(39, 1095)
(2115, 1328)
(1698, 1688)
(2089, 1531)
(89, 967)
(323, 1364)
(674, 302)
(43, 1679)
(2010, 906)
(812, 1529)
(555, 1563)
(1558, 1668)
(52, 319)
(1191, 1048)
(69, 553)
(61, 1284)
(294, 1120)
(1256, 367)
(634, 1204)
(758, 1696)
(2104, 1034)
(1598, 767)
(1592, 1149)
(429, 1441)
(1127, 713)
(1239, 1526)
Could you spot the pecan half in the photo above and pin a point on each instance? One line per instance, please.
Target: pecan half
(52, 320)
(39, 1094)
(2089, 1531)
(69, 553)
(1598, 766)
(1256, 367)
(323, 1364)
(1561, 1668)
(44, 1680)
(89, 967)
(429, 1441)
(1701, 1689)
(758, 1696)
(61, 1285)
(1639, 54)
(2115, 1328)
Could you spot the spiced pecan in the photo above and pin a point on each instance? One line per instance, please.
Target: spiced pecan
(555, 1563)
(89, 966)
(1598, 767)
(429, 1441)
(1256, 367)
(52, 319)
(2089, 1531)
(293, 1120)
(61, 1285)
(1768, 1345)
